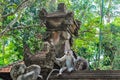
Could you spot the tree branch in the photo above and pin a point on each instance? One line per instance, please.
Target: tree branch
(22, 27)
(9, 25)
(18, 9)
(12, 13)
(17, 28)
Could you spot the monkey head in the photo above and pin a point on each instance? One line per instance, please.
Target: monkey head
(81, 64)
(17, 70)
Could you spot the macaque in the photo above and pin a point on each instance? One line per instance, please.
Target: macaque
(69, 62)
(72, 62)
(17, 70)
(34, 70)
(21, 72)
(81, 64)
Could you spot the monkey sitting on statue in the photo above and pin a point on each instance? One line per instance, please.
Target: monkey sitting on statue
(69, 62)
(72, 62)
(21, 72)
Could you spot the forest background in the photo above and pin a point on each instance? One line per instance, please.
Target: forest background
(98, 40)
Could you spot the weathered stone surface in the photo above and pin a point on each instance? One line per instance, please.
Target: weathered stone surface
(88, 75)
(79, 75)
(44, 59)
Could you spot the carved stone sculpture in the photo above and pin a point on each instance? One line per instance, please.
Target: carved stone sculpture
(61, 27)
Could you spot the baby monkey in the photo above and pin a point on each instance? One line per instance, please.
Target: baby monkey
(21, 72)
(81, 64)
(69, 60)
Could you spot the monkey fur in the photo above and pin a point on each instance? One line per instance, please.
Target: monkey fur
(81, 64)
(21, 72)
(69, 62)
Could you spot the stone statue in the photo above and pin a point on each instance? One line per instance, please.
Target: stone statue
(61, 27)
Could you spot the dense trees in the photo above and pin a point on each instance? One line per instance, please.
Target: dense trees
(98, 40)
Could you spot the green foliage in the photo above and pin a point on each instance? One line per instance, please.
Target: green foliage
(116, 62)
(9, 51)
(117, 22)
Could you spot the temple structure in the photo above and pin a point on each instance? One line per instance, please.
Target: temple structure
(61, 27)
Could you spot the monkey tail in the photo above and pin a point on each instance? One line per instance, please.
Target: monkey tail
(51, 73)
(40, 76)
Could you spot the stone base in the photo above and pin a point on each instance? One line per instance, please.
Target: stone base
(88, 75)
(77, 75)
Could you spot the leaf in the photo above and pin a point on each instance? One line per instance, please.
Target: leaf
(6, 61)
(0, 23)
(1, 55)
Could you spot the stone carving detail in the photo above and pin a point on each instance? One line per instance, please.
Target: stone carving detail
(45, 58)
(61, 26)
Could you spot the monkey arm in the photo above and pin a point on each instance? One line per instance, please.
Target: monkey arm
(61, 59)
(26, 76)
(29, 74)
(62, 70)
(73, 58)
(40, 76)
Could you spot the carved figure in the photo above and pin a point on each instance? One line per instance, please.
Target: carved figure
(60, 26)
